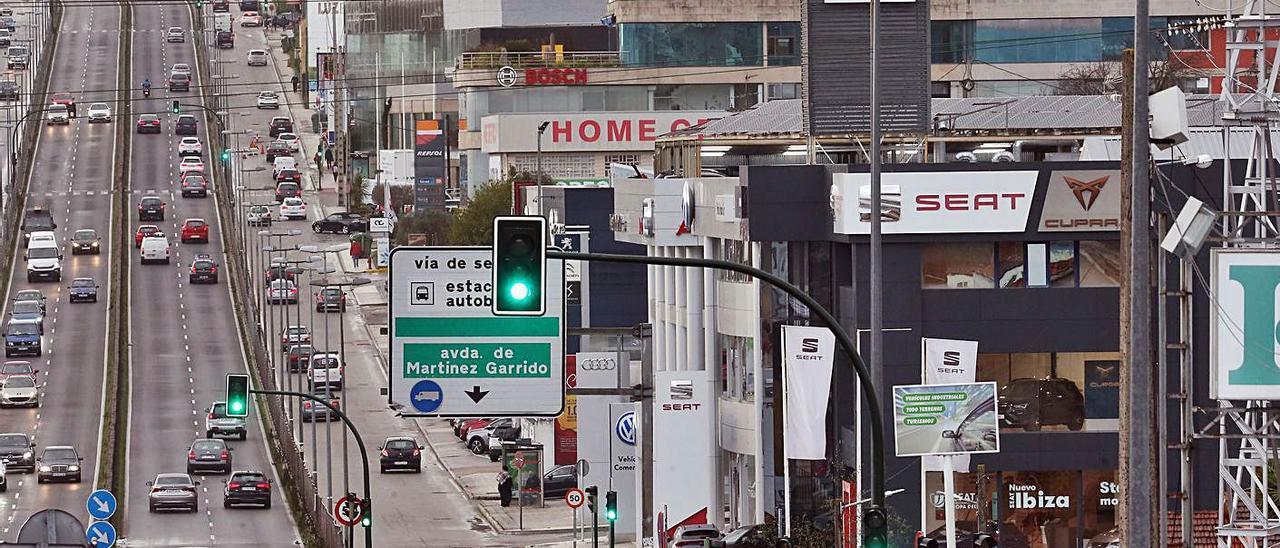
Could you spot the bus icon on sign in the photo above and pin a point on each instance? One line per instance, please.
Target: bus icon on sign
(422, 293)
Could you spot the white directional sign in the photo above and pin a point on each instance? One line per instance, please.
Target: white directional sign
(451, 357)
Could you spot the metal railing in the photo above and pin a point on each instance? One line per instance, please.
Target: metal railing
(538, 59)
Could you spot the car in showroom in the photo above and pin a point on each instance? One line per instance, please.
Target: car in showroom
(1033, 403)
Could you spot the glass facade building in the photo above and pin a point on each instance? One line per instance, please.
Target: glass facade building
(709, 44)
(1074, 40)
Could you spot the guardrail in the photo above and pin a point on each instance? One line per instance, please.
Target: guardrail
(537, 59)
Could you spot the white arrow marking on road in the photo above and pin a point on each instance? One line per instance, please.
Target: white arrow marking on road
(102, 504)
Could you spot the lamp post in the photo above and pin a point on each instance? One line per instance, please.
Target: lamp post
(298, 270)
(277, 245)
(542, 128)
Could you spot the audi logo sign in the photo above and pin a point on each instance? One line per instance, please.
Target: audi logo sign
(598, 364)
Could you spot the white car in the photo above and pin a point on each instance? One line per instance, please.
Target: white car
(180, 68)
(325, 368)
(291, 139)
(268, 99)
(19, 390)
(99, 112)
(259, 215)
(175, 34)
(190, 146)
(257, 58)
(293, 208)
(155, 249)
(191, 164)
(57, 114)
(250, 19)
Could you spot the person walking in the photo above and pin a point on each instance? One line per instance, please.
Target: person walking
(295, 80)
(504, 487)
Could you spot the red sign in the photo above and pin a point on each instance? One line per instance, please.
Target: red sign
(555, 77)
(348, 511)
(614, 130)
(574, 497)
(849, 512)
(566, 425)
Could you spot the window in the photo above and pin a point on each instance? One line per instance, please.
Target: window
(1055, 391)
(1081, 39)
(784, 44)
(1100, 263)
(691, 44)
(1062, 264)
(957, 266)
(784, 91)
(1088, 263)
(1010, 257)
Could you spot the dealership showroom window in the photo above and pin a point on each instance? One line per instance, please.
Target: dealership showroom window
(1041, 509)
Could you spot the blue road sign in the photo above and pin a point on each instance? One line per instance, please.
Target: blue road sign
(426, 395)
(101, 504)
(100, 534)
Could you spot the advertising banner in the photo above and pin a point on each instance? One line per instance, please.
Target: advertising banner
(949, 361)
(1082, 201)
(566, 425)
(808, 354)
(1243, 325)
(945, 419)
(685, 478)
(936, 202)
(596, 431)
(430, 165)
(624, 419)
(585, 132)
(1101, 389)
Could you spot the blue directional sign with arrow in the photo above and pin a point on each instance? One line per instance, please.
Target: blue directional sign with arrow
(100, 534)
(101, 504)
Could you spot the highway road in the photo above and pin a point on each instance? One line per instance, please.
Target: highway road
(71, 177)
(184, 336)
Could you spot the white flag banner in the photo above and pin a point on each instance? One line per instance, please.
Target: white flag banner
(948, 361)
(808, 356)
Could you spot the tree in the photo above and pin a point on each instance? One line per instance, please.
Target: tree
(436, 225)
(473, 225)
(400, 196)
(1107, 77)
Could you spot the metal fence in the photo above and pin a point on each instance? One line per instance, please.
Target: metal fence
(538, 59)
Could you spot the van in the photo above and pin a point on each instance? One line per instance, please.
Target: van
(283, 162)
(44, 260)
(36, 219)
(155, 249)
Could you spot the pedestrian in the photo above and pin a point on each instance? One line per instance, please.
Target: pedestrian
(295, 81)
(504, 487)
(334, 168)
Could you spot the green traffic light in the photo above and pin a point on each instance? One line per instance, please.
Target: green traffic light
(237, 406)
(226, 155)
(519, 291)
(237, 395)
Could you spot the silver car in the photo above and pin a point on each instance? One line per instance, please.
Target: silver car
(257, 58)
(99, 112)
(217, 423)
(170, 491)
(175, 34)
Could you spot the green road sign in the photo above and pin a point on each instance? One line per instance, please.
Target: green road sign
(451, 356)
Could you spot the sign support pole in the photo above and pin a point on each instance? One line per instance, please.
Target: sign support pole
(949, 491)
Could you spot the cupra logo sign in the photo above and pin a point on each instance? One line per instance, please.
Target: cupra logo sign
(1259, 325)
(1086, 192)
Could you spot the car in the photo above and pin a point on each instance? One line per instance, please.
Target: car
(325, 368)
(268, 99)
(151, 208)
(400, 453)
(30, 295)
(292, 141)
(977, 432)
(282, 161)
(65, 99)
(312, 411)
(247, 487)
(208, 454)
(145, 231)
(27, 311)
(175, 34)
(194, 230)
(221, 6)
(19, 57)
(224, 39)
(293, 208)
(218, 424)
(179, 81)
(83, 290)
(170, 491)
(250, 5)
(190, 164)
(57, 115)
(341, 222)
(22, 339)
(180, 68)
(250, 19)
(7, 23)
(194, 184)
(691, 536)
(6, 35)
(190, 146)
(259, 215)
(559, 480)
(257, 58)
(289, 175)
(298, 356)
(277, 149)
(185, 125)
(1032, 403)
(86, 241)
(59, 463)
(155, 249)
(467, 425)
(498, 436)
(44, 261)
(478, 438)
(17, 451)
(331, 299)
(280, 124)
(17, 367)
(99, 112)
(148, 123)
(20, 391)
(9, 90)
(203, 271)
(280, 270)
(294, 334)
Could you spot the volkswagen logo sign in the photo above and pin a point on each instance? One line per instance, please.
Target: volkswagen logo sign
(507, 76)
(625, 428)
(598, 364)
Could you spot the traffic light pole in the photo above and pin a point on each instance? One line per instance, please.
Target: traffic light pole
(842, 337)
(364, 456)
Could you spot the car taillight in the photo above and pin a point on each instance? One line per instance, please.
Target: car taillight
(191, 455)
(415, 451)
(193, 269)
(264, 486)
(213, 270)
(211, 415)
(385, 453)
(225, 455)
(233, 485)
(155, 489)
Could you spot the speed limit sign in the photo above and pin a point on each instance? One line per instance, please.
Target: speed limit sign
(574, 497)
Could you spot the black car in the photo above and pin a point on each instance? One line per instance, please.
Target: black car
(194, 185)
(7, 23)
(277, 148)
(18, 451)
(6, 39)
(250, 5)
(59, 462)
(331, 299)
(221, 6)
(288, 175)
(225, 40)
(247, 487)
(280, 124)
(180, 81)
(150, 209)
(186, 125)
(8, 90)
(85, 241)
(342, 222)
(559, 480)
(203, 271)
(400, 453)
(37, 220)
(1033, 403)
(84, 290)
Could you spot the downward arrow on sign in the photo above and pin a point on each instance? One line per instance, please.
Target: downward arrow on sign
(102, 505)
(476, 394)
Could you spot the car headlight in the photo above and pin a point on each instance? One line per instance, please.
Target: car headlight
(26, 455)
(45, 468)
(74, 468)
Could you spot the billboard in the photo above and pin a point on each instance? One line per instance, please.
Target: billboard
(945, 419)
(585, 132)
(925, 202)
(430, 165)
(1082, 201)
(1243, 324)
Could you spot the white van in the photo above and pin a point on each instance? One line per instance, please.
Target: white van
(283, 162)
(155, 249)
(44, 260)
(42, 236)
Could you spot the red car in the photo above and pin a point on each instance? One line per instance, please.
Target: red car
(143, 232)
(195, 230)
(472, 424)
(148, 123)
(64, 98)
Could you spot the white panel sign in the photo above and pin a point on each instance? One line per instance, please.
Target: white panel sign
(450, 356)
(936, 202)
(584, 132)
(1243, 325)
(685, 450)
(379, 225)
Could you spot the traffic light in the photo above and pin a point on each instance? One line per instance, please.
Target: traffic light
(875, 527)
(237, 395)
(175, 107)
(592, 492)
(611, 506)
(226, 155)
(519, 265)
(366, 513)
(199, 4)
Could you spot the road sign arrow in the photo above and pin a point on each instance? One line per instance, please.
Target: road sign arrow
(100, 537)
(476, 394)
(103, 506)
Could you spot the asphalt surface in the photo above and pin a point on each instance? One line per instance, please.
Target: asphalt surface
(71, 176)
(183, 336)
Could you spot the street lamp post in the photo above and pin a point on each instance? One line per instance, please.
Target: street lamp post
(516, 208)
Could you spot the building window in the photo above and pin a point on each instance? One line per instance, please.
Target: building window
(691, 44)
(957, 266)
(736, 251)
(1010, 263)
(1058, 391)
(556, 165)
(784, 91)
(1075, 40)
(693, 97)
(784, 44)
(736, 368)
(1087, 263)
(1100, 263)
